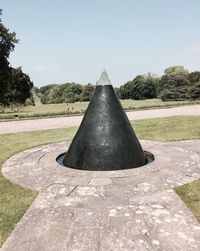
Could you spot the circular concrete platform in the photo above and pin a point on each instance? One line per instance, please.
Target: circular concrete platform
(134, 209)
(37, 167)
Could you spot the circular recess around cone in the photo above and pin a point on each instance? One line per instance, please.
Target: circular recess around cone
(105, 139)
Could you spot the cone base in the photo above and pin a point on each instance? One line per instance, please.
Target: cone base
(149, 157)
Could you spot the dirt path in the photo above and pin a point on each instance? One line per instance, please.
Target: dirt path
(51, 123)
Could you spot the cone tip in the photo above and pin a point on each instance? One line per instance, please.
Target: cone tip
(104, 79)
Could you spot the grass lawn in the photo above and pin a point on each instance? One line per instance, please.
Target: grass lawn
(14, 200)
(40, 110)
(168, 129)
(190, 194)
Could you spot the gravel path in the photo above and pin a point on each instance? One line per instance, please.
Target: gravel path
(51, 123)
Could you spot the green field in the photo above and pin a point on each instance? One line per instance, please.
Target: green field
(168, 129)
(40, 110)
(14, 200)
(190, 194)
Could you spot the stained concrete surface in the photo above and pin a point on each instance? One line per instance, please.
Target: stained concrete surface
(133, 209)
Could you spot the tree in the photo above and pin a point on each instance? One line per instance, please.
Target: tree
(64, 93)
(194, 91)
(176, 70)
(20, 86)
(125, 91)
(36, 90)
(7, 44)
(174, 83)
(44, 99)
(15, 86)
(73, 92)
(56, 94)
(174, 87)
(46, 88)
(87, 92)
(194, 77)
(141, 87)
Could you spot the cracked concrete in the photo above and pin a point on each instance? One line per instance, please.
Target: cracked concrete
(133, 209)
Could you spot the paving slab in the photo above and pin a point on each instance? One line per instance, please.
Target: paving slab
(135, 209)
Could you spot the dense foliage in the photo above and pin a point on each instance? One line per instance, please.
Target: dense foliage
(15, 86)
(176, 84)
(66, 93)
(194, 91)
(141, 87)
(87, 92)
(46, 88)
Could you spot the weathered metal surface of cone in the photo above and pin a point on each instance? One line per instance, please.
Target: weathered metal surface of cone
(105, 139)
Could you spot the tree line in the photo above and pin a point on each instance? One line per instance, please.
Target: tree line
(176, 84)
(65, 93)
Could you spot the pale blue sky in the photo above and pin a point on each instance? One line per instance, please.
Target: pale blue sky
(73, 41)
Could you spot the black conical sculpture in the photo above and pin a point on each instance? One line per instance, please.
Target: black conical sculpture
(105, 139)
